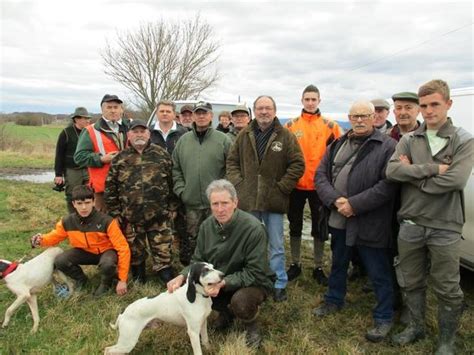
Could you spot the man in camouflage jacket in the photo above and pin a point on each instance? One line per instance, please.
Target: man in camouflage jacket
(139, 192)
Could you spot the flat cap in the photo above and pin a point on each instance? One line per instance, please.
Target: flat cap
(240, 108)
(186, 108)
(80, 112)
(109, 98)
(202, 105)
(381, 103)
(138, 123)
(406, 96)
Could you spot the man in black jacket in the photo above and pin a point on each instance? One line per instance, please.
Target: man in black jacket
(166, 131)
(67, 172)
(351, 182)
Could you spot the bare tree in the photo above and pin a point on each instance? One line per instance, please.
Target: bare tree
(164, 61)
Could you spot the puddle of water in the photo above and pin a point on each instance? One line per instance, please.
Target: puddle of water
(37, 177)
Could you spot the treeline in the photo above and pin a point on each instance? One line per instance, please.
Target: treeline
(41, 118)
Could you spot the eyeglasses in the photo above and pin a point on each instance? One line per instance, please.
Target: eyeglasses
(363, 117)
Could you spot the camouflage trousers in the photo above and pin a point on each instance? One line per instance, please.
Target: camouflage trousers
(187, 244)
(159, 238)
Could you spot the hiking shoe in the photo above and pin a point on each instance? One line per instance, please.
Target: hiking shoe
(102, 289)
(326, 309)
(318, 275)
(223, 321)
(253, 338)
(279, 295)
(293, 271)
(166, 274)
(379, 332)
(409, 335)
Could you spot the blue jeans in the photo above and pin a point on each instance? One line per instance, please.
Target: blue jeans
(276, 249)
(377, 263)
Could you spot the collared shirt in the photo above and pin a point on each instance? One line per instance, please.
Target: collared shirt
(165, 134)
(262, 137)
(114, 125)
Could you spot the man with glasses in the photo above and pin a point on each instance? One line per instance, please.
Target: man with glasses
(351, 182)
(67, 172)
(264, 165)
(240, 120)
(199, 157)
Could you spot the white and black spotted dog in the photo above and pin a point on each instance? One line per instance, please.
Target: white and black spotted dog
(187, 306)
(26, 280)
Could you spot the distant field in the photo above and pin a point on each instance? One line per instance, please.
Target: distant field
(28, 146)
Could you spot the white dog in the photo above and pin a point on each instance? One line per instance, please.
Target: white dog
(188, 306)
(26, 280)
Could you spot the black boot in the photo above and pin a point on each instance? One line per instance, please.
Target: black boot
(416, 303)
(139, 272)
(75, 272)
(448, 322)
(252, 337)
(223, 321)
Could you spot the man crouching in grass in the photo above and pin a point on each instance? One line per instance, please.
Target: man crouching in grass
(95, 238)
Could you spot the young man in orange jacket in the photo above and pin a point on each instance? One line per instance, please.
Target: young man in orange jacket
(314, 133)
(95, 238)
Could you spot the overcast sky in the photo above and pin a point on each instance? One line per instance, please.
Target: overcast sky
(50, 50)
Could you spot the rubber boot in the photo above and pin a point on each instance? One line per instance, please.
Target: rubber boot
(448, 322)
(106, 283)
(416, 303)
(252, 337)
(139, 272)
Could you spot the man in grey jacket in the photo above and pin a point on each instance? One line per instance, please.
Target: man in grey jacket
(433, 163)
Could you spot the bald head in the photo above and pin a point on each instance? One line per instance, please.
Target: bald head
(361, 116)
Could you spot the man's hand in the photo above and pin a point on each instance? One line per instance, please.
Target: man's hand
(58, 180)
(404, 160)
(443, 168)
(340, 202)
(346, 209)
(176, 283)
(172, 215)
(107, 158)
(213, 290)
(121, 288)
(36, 240)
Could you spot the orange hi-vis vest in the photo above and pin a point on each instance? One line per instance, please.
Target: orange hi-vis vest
(313, 132)
(103, 145)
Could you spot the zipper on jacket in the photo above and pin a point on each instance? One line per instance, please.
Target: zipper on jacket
(87, 241)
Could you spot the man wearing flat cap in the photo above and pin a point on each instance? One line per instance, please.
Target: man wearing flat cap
(139, 193)
(99, 143)
(240, 117)
(382, 108)
(406, 109)
(67, 172)
(186, 116)
(198, 159)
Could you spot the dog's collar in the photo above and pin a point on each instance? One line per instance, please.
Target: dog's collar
(12, 267)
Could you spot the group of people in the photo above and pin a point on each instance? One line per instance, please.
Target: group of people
(224, 197)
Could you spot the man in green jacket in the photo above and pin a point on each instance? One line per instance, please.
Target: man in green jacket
(235, 243)
(199, 157)
(433, 165)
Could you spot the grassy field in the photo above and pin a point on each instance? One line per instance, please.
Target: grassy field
(28, 146)
(79, 325)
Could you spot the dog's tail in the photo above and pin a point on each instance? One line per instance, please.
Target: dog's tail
(115, 325)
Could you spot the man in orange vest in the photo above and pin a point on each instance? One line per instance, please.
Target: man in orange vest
(99, 143)
(314, 133)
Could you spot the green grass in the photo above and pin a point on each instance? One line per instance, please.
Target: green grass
(79, 325)
(28, 146)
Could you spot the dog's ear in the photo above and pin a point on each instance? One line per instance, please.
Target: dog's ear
(193, 278)
(191, 292)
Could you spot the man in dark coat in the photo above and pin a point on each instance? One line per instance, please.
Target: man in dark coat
(351, 182)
